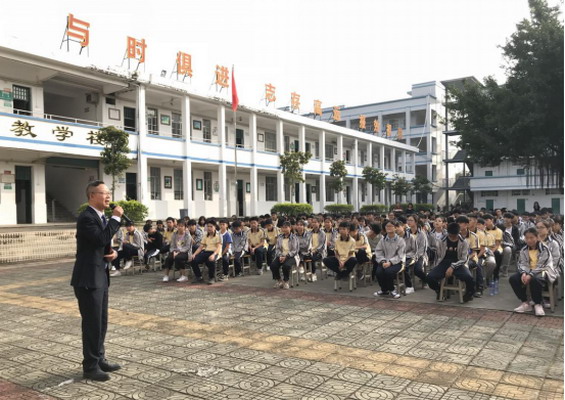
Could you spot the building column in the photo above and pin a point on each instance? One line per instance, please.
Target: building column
(280, 149)
(222, 174)
(408, 123)
(355, 199)
(322, 188)
(393, 160)
(302, 144)
(370, 199)
(187, 164)
(381, 127)
(340, 195)
(404, 162)
(143, 187)
(253, 178)
(348, 123)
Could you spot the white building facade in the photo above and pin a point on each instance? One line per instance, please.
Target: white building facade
(419, 117)
(184, 146)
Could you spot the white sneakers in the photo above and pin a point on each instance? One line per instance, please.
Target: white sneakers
(166, 278)
(524, 307)
(314, 278)
(394, 295)
(301, 270)
(286, 286)
(182, 279)
(409, 290)
(277, 285)
(128, 264)
(538, 310)
(260, 271)
(116, 273)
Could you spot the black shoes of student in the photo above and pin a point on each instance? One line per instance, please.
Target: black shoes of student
(478, 294)
(108, 367)
(467, 297)
(96, 375)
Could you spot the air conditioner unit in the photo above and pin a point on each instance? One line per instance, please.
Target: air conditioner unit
(92, 98)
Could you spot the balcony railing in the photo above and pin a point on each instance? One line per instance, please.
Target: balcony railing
(73, 120)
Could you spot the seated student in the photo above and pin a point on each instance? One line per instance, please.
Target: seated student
(179, 253)
(416, 251)
(362, 247)
(343, 262)
(271, 231)
(486, 256)
(160, 227)
(154, 243)
(435, 236)
(331, 234)
(304, 238)
(535, 266)
(209, 250)
(318, 252)
(389, 256)
(286, 251)
(452, 258)
(544, 228)
(196, 234)
(502, 255)
(239, 245)
(226, 249)
(168, 234)
(374, 236)
(474, 249)
(256, 243)
(132, 245)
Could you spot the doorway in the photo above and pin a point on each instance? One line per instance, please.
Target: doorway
(131, 186)
(308, 193)
(23, 194)
(297, 192)
(240, 201)
(239, 137)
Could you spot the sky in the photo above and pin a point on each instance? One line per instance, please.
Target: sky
(340, 52)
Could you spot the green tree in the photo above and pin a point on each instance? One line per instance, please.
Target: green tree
(422, 187)
(338, 171)
(292, 164)
(521, 120)
(400, 186)
(114, 156)
(374, 177)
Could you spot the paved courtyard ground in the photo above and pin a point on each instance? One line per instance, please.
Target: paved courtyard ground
(244, 340)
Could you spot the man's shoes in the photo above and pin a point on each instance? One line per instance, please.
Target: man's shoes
(478, 294)
(182, 278)
(314, 278)
(96, 375)
(108, 367)
(166, 278)
(524, 307)
(381, 293)
(128, 264)
(467, 297)
(394, 294)
(538, 310)
(116, 273)
(285, 285)
(409, 290)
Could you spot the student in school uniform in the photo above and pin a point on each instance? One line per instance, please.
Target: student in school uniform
(416, 251)
(132, 245)
(535, 266)
(286, 253)
(256, 243)
(239, 245)
(389, 256)
(343, 262)
(180, 252)
(226, 249)
(272, 232)
(318, 252)
(209, 250)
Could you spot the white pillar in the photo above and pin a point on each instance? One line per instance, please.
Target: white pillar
(370, 199)
(381, 127)
(404, 162)
(187, 164)
(222, 176)
(355, 199)
(340, 195)
(322, 188)
(408, 123)
(393, 160)
(302, 144)
(382, 158)
(348, 123)
(280, 148)
(253, 178)
(143, 196)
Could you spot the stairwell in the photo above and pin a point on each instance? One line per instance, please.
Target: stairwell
(61, 213)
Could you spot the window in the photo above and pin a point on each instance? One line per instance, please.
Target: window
(271, 188)
(271, 142)
(488, 173)
(178, 184)
(296, 147)
(329, 152)
(206, 130)
(152, 121)
(111, 101)
(155, 183)
(129, 119)
(330, 193)
(434, 145)
(434, 173)
(286, 143)
(239, 141)
(554, 191)
(176, 126)
(347, 156)
(516, 192)
(317, 149)
(520, 171)
(22, 100)
(207, 186)
(308, 147)
(489, 193)
(363, 189)
(434, 118)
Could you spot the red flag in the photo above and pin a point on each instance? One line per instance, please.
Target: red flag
(234, 98)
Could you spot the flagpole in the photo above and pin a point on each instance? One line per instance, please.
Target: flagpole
(235, 147)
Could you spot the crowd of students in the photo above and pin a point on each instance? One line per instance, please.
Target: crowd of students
(477, 248)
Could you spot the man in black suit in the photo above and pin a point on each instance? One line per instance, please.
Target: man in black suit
(91, 277)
